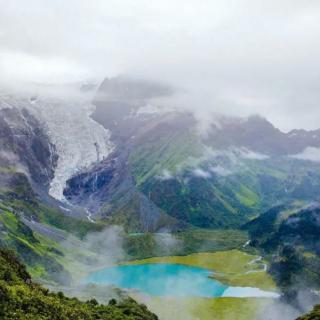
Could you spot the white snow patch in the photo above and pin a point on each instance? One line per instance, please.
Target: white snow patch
(248, 292)
(246, 244)
(89, 215)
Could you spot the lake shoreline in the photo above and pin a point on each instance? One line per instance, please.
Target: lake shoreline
(193, 269)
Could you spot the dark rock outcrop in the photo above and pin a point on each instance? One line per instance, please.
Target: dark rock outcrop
(26, 147)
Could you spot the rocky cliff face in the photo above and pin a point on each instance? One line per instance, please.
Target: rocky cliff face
(26, 147)
(259, 135)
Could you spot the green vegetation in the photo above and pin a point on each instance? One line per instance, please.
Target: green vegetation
(203, 203)
(289, 238)
(21, 299)
(232, 267)
(144, 245)
(36, 210)
(247, 197)
(207, 309)
(215, 201)
(44, 258)
(40, 254)
(20, 198)
(128, 215)
(72, 225)
(166, 150)
(313, 315)
(200, 202)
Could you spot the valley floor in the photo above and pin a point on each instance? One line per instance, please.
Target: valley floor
(231, 267)
(206, 308)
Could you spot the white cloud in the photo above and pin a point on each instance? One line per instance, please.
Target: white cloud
(16, 65)
(221, 171)
(240, 57)
(165, 175)
(310, 153)
(167, 243)
(251, 155)
(201, 173)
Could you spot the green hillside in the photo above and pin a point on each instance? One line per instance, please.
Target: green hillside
(313, 315)
(178, 172)
(22, 299)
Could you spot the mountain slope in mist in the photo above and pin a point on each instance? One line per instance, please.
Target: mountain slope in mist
(219, 178)
(289, 235)
(127, 158)
(313, 315)
(130, 159)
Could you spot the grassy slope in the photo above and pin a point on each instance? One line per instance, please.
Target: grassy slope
(51, 262)
(220, 201)
(198, 201)
(23, 299)
(167, 151)
(38, 252)
(145, 245)
(289, 237)
(207, 309)
(313, 315)
(45, 258)
(201, 202)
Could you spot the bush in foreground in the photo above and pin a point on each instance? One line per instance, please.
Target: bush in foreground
(21, 299)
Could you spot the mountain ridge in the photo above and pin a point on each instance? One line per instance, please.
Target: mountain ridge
(155, 153)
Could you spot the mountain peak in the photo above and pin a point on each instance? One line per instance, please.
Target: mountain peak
(126, 88)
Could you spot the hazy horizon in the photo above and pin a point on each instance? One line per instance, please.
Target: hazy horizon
(237, 58)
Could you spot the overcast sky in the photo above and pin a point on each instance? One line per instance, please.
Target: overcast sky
(236, 56)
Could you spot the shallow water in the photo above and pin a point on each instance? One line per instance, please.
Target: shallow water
(174, 280)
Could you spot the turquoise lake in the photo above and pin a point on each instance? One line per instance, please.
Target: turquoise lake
(175, 280)
(161, 280)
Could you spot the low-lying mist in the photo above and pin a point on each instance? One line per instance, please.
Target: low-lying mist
(103, 249)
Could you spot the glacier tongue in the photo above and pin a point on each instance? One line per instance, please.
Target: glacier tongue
(79, 140)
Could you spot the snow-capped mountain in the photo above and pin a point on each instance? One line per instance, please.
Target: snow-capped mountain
(126, 159)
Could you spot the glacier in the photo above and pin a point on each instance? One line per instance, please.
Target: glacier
(79, 140)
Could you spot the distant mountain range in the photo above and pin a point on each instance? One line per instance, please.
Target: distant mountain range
(126, 158)
(118, 155)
